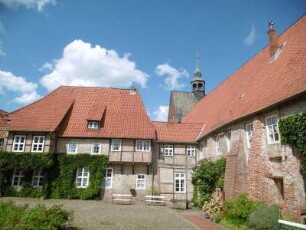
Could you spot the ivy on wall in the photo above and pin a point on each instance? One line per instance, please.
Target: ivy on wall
(293, 132)
(208, 176)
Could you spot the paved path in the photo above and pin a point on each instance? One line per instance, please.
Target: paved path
(202, 223)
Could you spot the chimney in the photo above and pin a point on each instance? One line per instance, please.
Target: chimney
(273, 41)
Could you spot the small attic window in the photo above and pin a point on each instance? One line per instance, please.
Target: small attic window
(278, 52)
(93, 124)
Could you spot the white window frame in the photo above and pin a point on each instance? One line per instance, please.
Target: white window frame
(218, 146)
(75, 148)
(190, 150)
(17, 175)
(18, 143)
(37, 178)
(168, 150)
(82, 178)
(249, 134)
(37, 144)
(93, 145)
(272, 130)
(113, 144)
(228, 141)
(180, 182)
(143, 145)
(141, 181)
(93, 124)
(108, 178)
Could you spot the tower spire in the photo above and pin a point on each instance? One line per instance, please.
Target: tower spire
(197, 83)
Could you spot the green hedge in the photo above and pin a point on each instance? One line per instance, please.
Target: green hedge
(63, 186)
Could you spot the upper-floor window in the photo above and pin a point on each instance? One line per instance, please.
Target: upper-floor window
(141, 181)
(228, 141)
(218, 146)
(190, 150)
(82, 178)
(18, 175)
(116, 145)
(143, 145)
(180, 182)
(168, 150)
(249, 134)
(108, 178)
(19, 143)
(96, 148)
(38, 178)
(272, 129)
(72, 147)
(93, 124)
(38, 144)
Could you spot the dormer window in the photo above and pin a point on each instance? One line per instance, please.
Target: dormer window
(93, 124)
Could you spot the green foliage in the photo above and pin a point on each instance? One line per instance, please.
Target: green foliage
(40, 217)
(63, 185)
(26, 190)
(264, 217)
(239, 209)
(293, 132)
(206, 178)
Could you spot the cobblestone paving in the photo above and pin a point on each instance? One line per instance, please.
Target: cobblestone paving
(101, 215)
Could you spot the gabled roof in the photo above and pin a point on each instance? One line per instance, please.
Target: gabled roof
(122, 115)
(258, 84)
(177, 132)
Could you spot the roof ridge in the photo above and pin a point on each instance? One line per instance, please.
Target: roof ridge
(94, 87)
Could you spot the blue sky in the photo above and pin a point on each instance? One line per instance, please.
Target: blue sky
(149, 44)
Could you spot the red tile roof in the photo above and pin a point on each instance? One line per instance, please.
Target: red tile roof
(177, 132)
(122, 115)
(258, 84)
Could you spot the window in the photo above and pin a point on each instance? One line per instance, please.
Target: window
(95, 148)
(19, 143)
(38, 144)
(168, 150)
(272, 129)
(140, 181)
(93, 124)
(218, 146)
(72, 147)
(108, 178)
(249, 134)
(180, 182)
(17, 177)
(228, 141)
(190, 150)
(1, 143)
(82, 178)
(143, 145)
(116, 145)
(38, 178)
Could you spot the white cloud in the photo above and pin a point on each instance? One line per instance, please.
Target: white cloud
(251, 37)
(161, 114)
(29, 4)
(25, 90)
(86, 65)
(172, 76)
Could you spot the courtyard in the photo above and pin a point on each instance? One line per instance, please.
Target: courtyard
(138, 216)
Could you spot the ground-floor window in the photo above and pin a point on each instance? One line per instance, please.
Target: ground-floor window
(108, 178)
(140, 181)
(38, 178)
(82, 178)
(17, 177)
(180, 182)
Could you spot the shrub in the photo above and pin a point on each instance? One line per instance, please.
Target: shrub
(264, 217)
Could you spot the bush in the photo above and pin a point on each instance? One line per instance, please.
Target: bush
(40, 217)
(264, 217)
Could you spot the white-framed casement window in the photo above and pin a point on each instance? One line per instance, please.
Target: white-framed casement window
(96, 148)
(140, 181)
(228, 141)
(249, 134)
(116, 144)
(108, 178)
(93, 124)
(190, 150)
(38, 178)
(19, 143)
(17, 177)
(218, 146)
(143, 145)
(38, 144)
(82, 178)
(168, 150)
(180, 182)
(72, 147)
(272, 129)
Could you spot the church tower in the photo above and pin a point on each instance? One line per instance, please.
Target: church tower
(198, 83)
